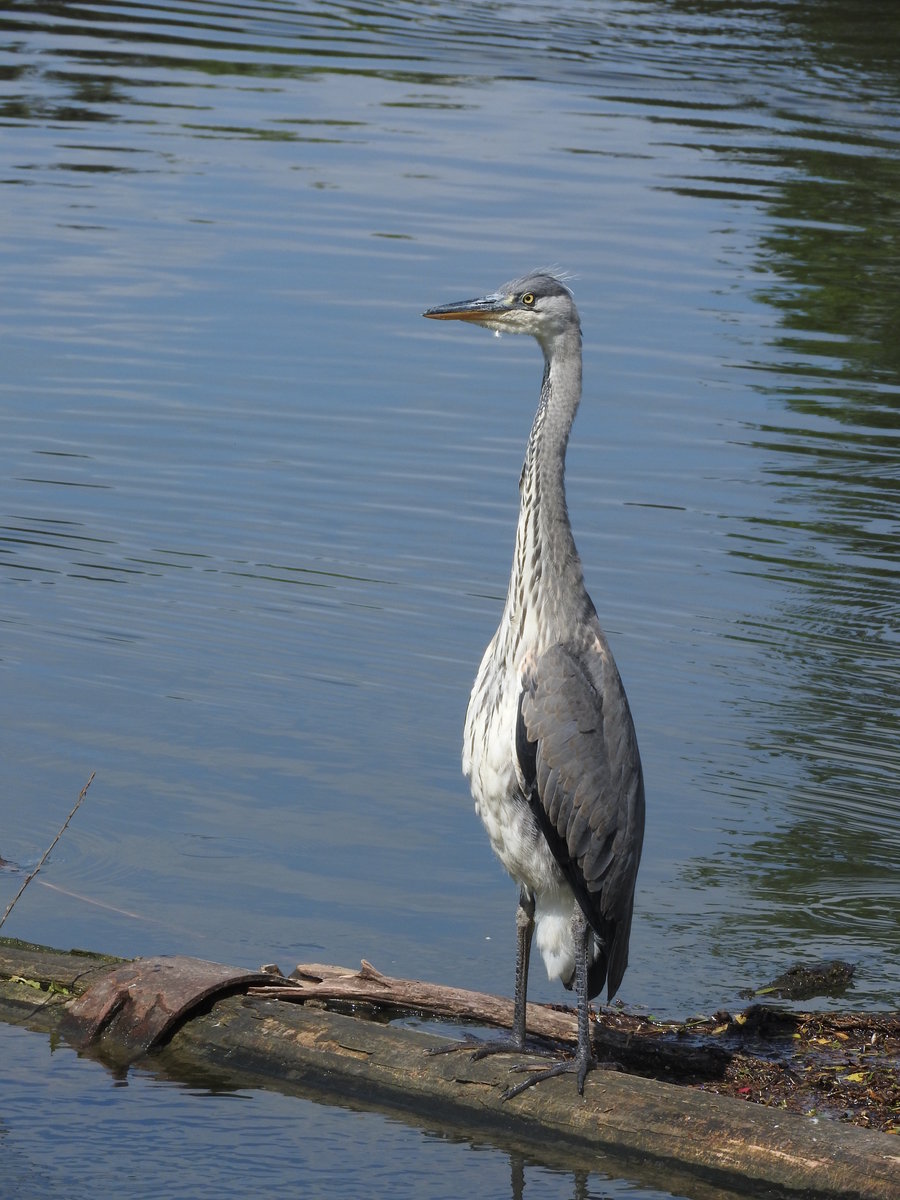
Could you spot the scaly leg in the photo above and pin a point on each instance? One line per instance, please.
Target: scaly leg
(516, 1043)
(584, 1057)
(524, 931)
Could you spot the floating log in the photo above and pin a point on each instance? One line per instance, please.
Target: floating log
(286, 1034)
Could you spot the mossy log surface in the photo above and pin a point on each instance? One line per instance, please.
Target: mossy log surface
(357, 1057)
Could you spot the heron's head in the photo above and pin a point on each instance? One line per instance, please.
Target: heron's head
(539, 304)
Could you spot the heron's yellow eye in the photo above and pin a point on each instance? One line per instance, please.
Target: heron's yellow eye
(528, 299)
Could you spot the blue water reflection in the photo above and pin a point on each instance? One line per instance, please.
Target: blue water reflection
(256, 516)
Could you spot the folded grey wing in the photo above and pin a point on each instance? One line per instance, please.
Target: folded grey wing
(581, 772)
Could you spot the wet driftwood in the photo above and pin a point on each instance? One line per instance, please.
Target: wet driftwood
(255, 1037)
(840, 1065)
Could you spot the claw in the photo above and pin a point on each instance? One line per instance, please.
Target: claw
(481, 1049)
(466, 1043)
(567, 1066)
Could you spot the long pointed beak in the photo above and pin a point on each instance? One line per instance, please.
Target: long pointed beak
(470, 310)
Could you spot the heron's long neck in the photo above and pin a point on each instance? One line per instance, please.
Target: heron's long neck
(546, 589)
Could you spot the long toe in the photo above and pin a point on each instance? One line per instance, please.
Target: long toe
(466, 1043)
(513, 1046)
(567, 1066)
(501, 1045)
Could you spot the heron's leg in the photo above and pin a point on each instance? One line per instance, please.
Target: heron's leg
(524, 932)
(584, 1056)
(517, 1042)
(583, 938)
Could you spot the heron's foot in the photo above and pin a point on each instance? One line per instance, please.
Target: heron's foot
(579, 1065)
(504, 1045)
(466, 1043)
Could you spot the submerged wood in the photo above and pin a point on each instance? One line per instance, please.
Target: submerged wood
(258, 1039)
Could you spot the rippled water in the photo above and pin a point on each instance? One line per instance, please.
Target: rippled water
(256, 516)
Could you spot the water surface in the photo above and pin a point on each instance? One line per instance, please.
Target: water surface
(256, 516)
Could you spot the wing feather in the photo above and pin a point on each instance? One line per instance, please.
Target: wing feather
(581, 773)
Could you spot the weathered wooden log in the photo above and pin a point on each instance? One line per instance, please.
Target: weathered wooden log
(640, 1045)
(725, 1141)
(305, 1047)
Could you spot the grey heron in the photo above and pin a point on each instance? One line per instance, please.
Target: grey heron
(549, 746)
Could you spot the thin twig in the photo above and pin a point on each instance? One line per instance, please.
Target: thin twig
(122, 912)
(46, 853)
